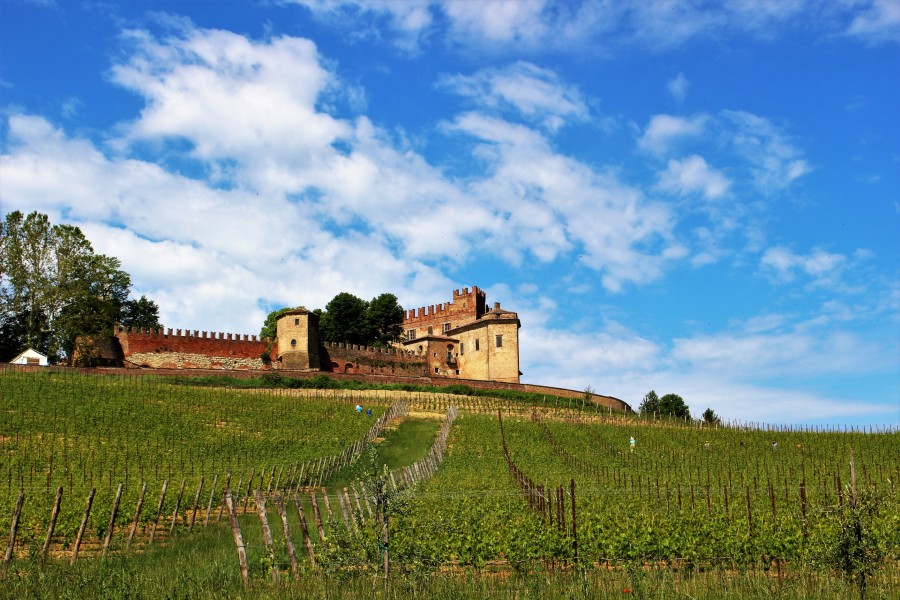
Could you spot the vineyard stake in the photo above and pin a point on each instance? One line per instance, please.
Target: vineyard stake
(53, 516)
(292, 555)
(137, 515)
(267, 533)
(212, 493)
(222, 506)
(327, 504)
(196, 504)
(112, 522)
(749, 513)
(159, 507)
(83, 526)
(574, 524)
(238, 538)
(305, 530)
(343, 510)
(13, 530)
(317, 515)
(177, 507)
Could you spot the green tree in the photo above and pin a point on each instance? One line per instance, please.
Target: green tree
(710, 417)
(344, 320)
(143, 313)
(384, 320)
(673, 404)
(650, 404)
(53, 287)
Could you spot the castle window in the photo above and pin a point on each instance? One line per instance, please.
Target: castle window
(446, 327)
(435, 369)
(293, 343)
(462, 349)
(477, 346)
(296, 321)
(457, 371)
(499, 341)
(410, 334)
(430, 330)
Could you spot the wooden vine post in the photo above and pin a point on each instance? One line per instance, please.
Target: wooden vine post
(305, 530)
(84, 522)
(13, 530)
(292, 555)
(574, 523)
(159, 507)
(267, 533)
(112, 522)
(196, 505)
(238, 538)
(53, 516)
(137, 516)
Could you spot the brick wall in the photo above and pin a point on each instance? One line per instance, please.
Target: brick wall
(191, 349)
(361, 360)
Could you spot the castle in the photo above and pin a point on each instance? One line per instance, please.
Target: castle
(460, 339)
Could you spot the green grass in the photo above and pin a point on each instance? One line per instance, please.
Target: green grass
(401, 446)
(467, 531)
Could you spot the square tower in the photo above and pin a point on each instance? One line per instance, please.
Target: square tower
(298, 340)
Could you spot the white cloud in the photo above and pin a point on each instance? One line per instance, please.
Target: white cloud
(876, 22)
(232, 98)
(533, 92)
(409, 20)
(824, 268)
(500, 21)
(664, 132)
(563, 204)
(604, 27)
(678, 88)
(775, 161)
(693, 175)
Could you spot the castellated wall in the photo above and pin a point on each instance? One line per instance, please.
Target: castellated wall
(362, 360)
(185, 349)
(466, 306)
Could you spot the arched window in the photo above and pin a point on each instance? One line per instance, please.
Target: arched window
(293, 343)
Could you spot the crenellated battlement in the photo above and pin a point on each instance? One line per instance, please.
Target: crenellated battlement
(163, 333)
(466, 304)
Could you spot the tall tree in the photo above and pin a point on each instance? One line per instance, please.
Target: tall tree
(384, 317)
(650, 403)
(53, 287)
(344, 320)
(143, 313)
(673, 404)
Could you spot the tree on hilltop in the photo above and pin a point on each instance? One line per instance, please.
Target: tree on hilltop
(669, 404)
(650, 404)
(710, 417)
(673, 404)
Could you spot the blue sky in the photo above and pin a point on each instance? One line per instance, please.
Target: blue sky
(700, 198)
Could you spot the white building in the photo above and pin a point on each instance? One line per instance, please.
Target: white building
(30, 357)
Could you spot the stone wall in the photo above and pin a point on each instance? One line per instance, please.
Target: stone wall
(191, 349)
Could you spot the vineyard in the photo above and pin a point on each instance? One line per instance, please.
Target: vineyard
(492, 498)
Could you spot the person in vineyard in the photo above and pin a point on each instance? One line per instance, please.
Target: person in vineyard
(358, 409)
(631, 443)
